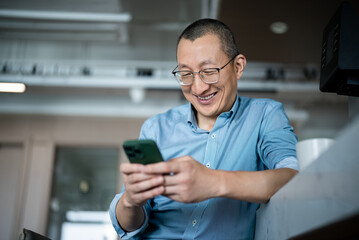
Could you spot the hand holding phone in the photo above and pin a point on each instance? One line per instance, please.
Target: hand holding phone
(142, 151)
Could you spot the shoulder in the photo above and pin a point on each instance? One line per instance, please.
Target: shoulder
(174, 115)
(156, 126)
(259, 104)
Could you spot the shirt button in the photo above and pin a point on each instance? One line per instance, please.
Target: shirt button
(208, 165)
(213, 135)
(194, 222)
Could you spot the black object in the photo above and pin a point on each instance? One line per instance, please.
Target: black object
(30, 235)
(86, 71)
(340, 53)
(144, 72)
(142, 151)
(345, 229)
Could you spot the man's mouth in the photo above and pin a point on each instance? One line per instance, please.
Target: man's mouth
(206, 97)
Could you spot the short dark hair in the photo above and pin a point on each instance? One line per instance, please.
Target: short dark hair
(206, 26)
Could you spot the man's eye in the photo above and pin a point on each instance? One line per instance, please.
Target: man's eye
(209, 72)
(186, 75)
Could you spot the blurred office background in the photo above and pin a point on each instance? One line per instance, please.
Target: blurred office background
(94, 70)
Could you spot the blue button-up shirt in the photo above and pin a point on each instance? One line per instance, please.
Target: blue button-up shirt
(254, 135)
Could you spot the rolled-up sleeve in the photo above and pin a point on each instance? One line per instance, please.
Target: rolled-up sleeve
(289, 162)
(120, 232)
(277, 141)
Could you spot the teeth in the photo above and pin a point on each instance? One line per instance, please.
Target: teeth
(206, 98)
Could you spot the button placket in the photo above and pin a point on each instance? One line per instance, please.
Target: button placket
(212, 141)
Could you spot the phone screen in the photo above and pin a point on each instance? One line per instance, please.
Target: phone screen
(142, 151)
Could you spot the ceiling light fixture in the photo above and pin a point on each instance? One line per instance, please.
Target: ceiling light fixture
(12, 87)
(65, 16)
(279, 27)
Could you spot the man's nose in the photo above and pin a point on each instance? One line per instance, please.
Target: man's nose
(198, 86)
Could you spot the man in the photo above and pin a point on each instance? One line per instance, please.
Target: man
(225, 154)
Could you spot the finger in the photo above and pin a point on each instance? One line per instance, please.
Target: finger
(173, 179)
(162, 168)
(170, 190)
(180, 159)
(138, 177)
(143, 196)
(145, 185)
(128, 168)
(175, 197)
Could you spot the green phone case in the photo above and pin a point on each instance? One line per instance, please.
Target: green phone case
(142, 151)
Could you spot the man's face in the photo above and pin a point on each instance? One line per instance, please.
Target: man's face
(210, 100)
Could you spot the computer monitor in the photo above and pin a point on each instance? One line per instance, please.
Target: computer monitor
(340, 53)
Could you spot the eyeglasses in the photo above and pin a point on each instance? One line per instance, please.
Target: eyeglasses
(207, 75)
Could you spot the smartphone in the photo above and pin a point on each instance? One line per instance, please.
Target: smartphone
(142, 151)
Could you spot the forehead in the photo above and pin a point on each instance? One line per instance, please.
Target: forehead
(203, 49)
(208, 40)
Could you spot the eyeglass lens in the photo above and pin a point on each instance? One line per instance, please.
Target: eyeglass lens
(207, 75)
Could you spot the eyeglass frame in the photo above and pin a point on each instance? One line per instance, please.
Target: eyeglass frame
(199, 73)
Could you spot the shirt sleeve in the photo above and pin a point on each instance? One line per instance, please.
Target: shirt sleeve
(290, 162)
(277, 141)
(120, 232)
(147, 130)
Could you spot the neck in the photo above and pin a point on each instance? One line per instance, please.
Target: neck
(205, 123)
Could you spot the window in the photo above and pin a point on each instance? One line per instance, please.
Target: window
(84, 183)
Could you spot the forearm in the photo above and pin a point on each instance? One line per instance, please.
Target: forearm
(257, 186)
(129, 217)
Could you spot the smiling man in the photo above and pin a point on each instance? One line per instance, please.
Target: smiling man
(224, 153)
(209, 97)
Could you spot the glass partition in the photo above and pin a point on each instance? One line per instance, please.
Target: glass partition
(84, 183)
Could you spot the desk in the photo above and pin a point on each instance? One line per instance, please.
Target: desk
(325, 192)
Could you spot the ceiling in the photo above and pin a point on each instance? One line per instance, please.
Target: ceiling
(249, 20)
(100, 67)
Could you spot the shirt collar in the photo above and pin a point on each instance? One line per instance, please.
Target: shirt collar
(191, 117)
(233, 110)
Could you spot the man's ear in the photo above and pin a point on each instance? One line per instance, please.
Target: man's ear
(240, 64)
